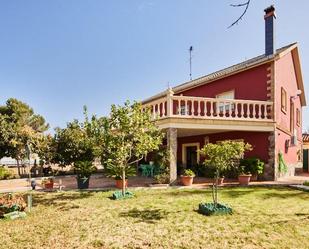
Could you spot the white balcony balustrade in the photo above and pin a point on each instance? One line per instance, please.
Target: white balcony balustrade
(173, 106)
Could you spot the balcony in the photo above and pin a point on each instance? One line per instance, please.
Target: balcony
(215, 111)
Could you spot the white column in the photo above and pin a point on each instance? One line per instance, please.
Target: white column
(169, 111)
(171, 136)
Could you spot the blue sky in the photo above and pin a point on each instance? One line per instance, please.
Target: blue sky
(60, 55)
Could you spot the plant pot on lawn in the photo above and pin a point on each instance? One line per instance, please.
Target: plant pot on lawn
(83, 182)
(119, 183)
(187, 177)
(83, 169)
(244, 179)
(48, 182)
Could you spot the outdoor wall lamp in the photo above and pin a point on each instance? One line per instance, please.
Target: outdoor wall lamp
(298, 93)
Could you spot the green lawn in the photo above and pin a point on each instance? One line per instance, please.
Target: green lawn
(263, 218)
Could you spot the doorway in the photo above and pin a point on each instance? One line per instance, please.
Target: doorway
(191, 152)
(305, 160)
(190, 155)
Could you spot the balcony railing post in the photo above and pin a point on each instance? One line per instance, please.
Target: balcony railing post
(169, 102)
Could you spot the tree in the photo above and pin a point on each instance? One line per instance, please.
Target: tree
(19, 126)
(222, 156)
(244, 5)
(132, 134)
(79, 142)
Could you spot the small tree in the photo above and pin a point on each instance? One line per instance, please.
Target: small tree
(223, 156)
(132, 134)
(79, 144)
(19, 126)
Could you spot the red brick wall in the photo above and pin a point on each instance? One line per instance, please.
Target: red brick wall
(258, 140)
(250, 84)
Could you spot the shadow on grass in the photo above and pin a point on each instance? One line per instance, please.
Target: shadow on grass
(148, 216)
(184, 192)
(59, 199)
(285, 194)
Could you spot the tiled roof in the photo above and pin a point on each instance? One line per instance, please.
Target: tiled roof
(305, 137)
(224, 72)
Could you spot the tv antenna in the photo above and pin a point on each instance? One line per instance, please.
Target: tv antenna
(190, 52)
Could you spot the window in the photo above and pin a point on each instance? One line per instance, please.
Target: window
(226, 106)
(283, 100)
(298, 117)
(292, 117)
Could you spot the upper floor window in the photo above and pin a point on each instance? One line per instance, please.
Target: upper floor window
(226, 106)
(283, 100)
(298, 121)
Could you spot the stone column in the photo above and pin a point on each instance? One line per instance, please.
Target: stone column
(270, 172)
(171, 135)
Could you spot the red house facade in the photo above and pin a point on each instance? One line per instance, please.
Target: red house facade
(258, 101)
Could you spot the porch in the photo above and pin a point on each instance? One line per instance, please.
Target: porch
(190, 122)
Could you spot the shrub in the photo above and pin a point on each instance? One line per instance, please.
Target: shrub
(306, 183)
(10, 203)
(162, 178)
(6, 173)
(116, 172)
(253, 165)
(84, 168)
(188, 172)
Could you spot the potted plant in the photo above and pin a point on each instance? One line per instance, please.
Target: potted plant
(83, 170)
(253, 165)
(119, 182)
(187, 177)
(116, 173)
(244, 176)
(48, 182)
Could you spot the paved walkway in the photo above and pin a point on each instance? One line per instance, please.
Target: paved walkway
(100, 182)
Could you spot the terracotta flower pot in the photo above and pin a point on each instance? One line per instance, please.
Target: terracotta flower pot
(49, 185)
(244, 179)
(186, 180)
(119, 183)
(220, 181)
(254, 177)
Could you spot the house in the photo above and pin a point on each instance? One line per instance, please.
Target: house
(258, 101)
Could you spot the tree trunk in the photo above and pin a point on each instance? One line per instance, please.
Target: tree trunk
(123, 181)
(213, 192)
(216, 187)
(18, 167)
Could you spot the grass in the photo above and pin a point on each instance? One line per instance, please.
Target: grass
(263, 218)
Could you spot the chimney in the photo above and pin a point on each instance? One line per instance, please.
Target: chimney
(270, 17)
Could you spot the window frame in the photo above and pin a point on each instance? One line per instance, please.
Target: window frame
(284, 100)
(298, 118)
(226, 107)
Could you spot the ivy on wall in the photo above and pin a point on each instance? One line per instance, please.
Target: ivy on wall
(283, 168)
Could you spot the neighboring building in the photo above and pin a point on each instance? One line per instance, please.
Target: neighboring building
(305, 152)
(259, 101)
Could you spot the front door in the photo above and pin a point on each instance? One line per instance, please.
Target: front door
(305, 161)
(191, 153)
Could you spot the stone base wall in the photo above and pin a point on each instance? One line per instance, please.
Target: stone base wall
(291, 170)
(270, 169)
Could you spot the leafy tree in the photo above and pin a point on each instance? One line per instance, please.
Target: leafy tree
(132, 134)
(79, 142)
(19, 126)
(222, 156)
